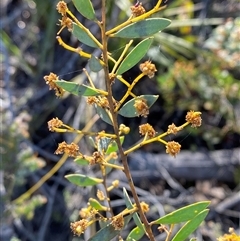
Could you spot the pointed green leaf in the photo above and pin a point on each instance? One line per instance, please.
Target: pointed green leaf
(183, 214)
(190, 226)
(85, 8)
(130, 206)
(83, 180)
(144, 28)
(82, 36)
(107, 233)
(95, 204)
(135, 234)
(76, 89)
(113, 147)
(128, 110)
(103, 114)
(135, 56)
(94, 64)
(81, 161)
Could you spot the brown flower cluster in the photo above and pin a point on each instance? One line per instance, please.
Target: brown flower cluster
(141, 107)
(66, 22)
(173, 129)
(118, 222)
(70, 149)
(148, 69)
(51, 81)
(101, 101)
(147, 129)
(138, 9)
(173, 148)
(194, 118)
(62, 8)
(79, 227)
(97, 157)
(54, 123)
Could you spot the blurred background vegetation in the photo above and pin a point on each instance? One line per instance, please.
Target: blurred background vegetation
(198, 62)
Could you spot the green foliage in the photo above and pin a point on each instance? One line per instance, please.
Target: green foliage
(183, 214)
(76, 89)
(83, 180)
(190, 226)
(139, 232)
(135, 55)
(144, 28)
(82, 36)
(85, 8)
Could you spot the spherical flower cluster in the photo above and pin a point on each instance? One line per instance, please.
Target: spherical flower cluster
(173, 129)
(79, 227)
(148, 69)
(147, 129)
(118, 222)
(137, 9)
(141, 107)
(173, 148)
(97, 157)
(54, 123)
(194, 118)
(62, 8)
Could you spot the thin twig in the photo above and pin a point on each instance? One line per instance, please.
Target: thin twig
(115, 124)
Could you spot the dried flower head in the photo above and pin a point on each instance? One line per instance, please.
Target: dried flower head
(173, 148)
(101, 101)
(54, 123)
(173, 129)
(145, 207)
(66, 22)
(51, 81)
(62, 7)
(138, 9)
(148, 68)
(147, 129)
(118, 222)
(70, 149)
(232, 236)
(141, 107)
(97, 157)
(194, 118)
(79, 227)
